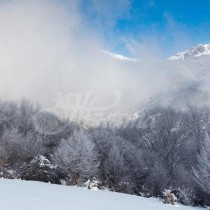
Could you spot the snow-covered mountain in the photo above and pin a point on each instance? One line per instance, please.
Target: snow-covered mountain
(197, 51)
(118, 56)
(188, 76)
(193, 63)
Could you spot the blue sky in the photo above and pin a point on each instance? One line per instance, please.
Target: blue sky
(171, 24)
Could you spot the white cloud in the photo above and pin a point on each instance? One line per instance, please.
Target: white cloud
(46, 48)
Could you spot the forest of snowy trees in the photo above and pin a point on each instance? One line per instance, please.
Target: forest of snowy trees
(162, 149)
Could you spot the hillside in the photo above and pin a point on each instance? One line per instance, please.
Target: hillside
(25, 195)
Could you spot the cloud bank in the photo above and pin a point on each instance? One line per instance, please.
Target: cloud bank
(47, 48)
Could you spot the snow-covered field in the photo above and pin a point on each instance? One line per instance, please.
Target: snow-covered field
(28, 195)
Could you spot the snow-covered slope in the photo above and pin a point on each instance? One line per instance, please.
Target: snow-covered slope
(118, 56)
(197, 51)
(28, 195)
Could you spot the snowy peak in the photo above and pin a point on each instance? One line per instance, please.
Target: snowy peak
(197, 51)
(118, 56)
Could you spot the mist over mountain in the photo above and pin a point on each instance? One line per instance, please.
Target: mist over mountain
(56, 62)
(179, 81)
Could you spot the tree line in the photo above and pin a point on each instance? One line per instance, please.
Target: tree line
(161, 149)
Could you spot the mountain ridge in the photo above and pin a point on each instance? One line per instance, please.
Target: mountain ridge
(194, 52)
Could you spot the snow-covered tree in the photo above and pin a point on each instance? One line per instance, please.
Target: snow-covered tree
(165, 134)
(77, 157)
(16, 147)
(202, 171)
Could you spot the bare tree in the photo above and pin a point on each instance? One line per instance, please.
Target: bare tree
(202, 171)
(25, 116)
(165, 135)
(8, 115)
